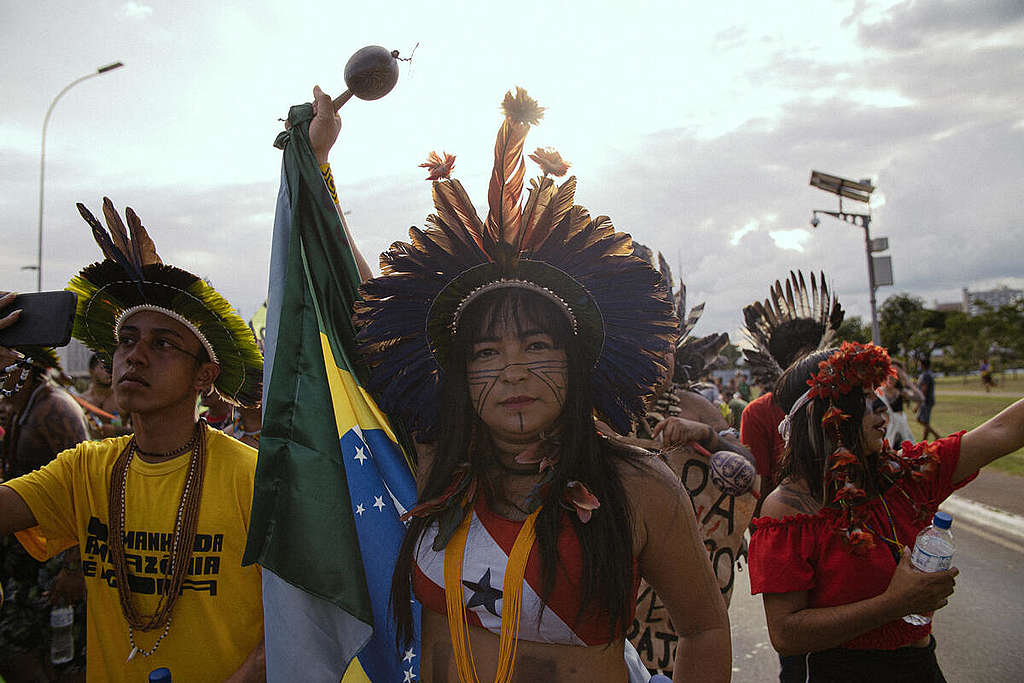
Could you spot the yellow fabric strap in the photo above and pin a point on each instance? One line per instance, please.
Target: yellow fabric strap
(511, 600)
(325, 171)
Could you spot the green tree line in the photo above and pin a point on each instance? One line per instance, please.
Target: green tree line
(954, 341)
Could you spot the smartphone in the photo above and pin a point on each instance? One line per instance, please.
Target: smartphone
(46, 319)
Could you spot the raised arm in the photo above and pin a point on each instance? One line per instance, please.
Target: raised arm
(323, 132)
(1001, 435)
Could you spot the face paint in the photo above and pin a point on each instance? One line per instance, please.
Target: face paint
(517, 383)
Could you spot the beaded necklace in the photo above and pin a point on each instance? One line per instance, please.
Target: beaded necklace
(182, 539)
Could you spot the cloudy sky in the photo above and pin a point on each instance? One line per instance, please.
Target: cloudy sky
(694, 125)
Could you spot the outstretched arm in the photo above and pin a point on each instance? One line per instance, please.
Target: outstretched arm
(323, 132)
(15, 514)
(1002, 434)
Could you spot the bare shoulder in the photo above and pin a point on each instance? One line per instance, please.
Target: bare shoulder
(653, 490)
(790, 498)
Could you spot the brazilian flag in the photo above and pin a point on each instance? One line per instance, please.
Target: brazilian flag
(331, 481)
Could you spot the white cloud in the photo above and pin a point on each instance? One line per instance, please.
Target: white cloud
(694, 126)
(790, 239)
(136, 10)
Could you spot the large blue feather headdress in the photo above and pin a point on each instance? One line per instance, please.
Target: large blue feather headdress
(613, 300)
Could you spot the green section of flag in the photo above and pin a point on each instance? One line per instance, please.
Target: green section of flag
(301, 526)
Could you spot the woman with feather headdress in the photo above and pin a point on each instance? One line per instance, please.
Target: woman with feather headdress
(496, 341)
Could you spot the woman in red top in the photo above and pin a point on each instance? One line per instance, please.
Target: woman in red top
(830, 553)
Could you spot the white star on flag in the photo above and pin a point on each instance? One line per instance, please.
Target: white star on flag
(378, 502)
(409, 676)
(360, 455)
(409, 655)
(360, 509)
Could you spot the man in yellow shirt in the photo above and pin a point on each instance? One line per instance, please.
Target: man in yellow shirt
(161, 517)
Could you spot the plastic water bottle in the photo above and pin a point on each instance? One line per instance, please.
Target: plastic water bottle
(62, 642)
(933, 552)
(161, 675)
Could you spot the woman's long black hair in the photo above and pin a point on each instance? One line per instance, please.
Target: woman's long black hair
(809, 447)
(606, 540)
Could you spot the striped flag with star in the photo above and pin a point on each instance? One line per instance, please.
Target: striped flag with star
(331, 480)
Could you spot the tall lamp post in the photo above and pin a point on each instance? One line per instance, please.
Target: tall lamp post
(42, 164)
(859, 191)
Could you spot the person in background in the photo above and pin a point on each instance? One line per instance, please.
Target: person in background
(792, 321)
(926, 385)
(695, 441)
(42, 419)
(897, 391)
(99, 402)
(987, 378)
(736, 407)
(831, 554)
(744, 388)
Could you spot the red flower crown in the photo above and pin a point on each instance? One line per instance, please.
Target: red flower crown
(855, 365)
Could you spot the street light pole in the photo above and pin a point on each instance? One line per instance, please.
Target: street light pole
(858, 191)
(42, 163)
(862, 220)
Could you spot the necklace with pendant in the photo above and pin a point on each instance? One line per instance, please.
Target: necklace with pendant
(182, 539)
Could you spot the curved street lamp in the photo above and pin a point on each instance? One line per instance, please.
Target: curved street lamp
(42, 164)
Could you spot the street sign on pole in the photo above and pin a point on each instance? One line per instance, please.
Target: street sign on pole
(883, 270)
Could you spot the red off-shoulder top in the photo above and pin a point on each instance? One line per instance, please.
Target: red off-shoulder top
(807, 552)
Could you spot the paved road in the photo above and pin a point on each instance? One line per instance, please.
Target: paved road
(979, 632)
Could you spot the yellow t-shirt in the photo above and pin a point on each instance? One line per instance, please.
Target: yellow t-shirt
(218, 619)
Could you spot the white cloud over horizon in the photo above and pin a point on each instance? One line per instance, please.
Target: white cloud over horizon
(694, 130)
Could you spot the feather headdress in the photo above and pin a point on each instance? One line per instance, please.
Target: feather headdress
(791, 322)
(132, 278)
(613, 300)
(694, 356)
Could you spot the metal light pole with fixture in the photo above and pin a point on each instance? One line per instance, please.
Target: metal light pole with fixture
(860, 191)
(42, 165)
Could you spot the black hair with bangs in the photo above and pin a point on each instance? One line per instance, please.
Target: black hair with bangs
(607, 577)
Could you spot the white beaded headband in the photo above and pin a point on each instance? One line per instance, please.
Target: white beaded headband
(170, 314)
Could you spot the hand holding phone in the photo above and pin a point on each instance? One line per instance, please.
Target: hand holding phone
(37, 319)
(6, 299)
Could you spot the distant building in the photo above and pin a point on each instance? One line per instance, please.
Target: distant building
(994, 298)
